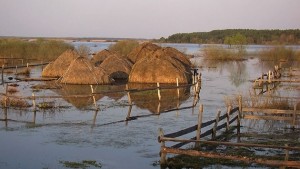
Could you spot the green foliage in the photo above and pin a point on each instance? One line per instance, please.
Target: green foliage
(124, 47)
(45, 50)
(252, 36)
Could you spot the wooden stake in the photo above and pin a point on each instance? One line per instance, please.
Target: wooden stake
(199, 126)
(214, 131)
(163, 155)
(158, 91)
(228, 118)
(2, 76)
(128, 95)
(286, 158)
(94, 99)
(177, 84)
(33, 102)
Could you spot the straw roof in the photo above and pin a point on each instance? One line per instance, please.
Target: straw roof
(81, 71)
(160, 67)
(117, 67)
(101, 56)
(58, 67)
(143, 50)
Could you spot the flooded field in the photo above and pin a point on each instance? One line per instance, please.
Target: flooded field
(72, 130)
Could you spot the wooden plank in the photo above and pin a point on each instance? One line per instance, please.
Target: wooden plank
(254, 117)
(231, 157)
(231, 143)
(269, 111)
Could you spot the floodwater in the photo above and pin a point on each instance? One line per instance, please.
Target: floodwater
(74, 131)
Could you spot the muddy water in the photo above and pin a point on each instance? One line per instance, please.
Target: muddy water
(74, 131)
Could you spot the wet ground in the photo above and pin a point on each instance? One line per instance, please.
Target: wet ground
(74, 131)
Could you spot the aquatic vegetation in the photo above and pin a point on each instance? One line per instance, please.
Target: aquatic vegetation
(83, 164)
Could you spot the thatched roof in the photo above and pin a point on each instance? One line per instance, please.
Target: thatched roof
(175, 54)
(60, 65)
(81, 71)
(101, 56)
(117, 67)
(143, 50)
(149, 100)
(160, 67)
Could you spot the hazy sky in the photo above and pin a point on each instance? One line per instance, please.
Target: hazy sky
(142, 18)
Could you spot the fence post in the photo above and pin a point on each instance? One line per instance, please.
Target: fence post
(214, 131)
(294, 116)
(239, 118)
(199, 126)
(33, 102)
(2, 76)
(286, 158)
(228, 117)
(162, 146)
(177, 84)
(158, 91)
(93, 96)
(128, 95)
(16, 72)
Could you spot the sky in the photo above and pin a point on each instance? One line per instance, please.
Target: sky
(142, 18)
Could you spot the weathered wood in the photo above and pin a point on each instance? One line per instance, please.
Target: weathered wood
(230, 143)
(270, 111)
(257, 117)
(93, 96)
(37, 79)
(214, 129)
(128, 95)
(231, 157)
(158, 91)
(198, 134)
(163, 155)
(33, 102)
(228, 117)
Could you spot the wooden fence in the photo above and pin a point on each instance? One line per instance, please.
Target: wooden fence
(96, 107)
(214, 127)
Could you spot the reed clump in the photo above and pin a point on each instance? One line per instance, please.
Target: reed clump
(279, 53)
(219, 53)
(42, 50)
(14, 102)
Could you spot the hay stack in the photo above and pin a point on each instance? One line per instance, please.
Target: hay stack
(117, 67)
(101, 56)
(160, 67)
(143, 50)
(81, 71)
(60, 65)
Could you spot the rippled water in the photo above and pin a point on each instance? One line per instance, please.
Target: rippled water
(76, 132)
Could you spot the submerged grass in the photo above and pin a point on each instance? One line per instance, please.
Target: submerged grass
(82, 165)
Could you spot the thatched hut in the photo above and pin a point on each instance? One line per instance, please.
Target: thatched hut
(117, 67)
(58, 67)
(160, 67)
(143, 50)
(101, 56)
(81, 71)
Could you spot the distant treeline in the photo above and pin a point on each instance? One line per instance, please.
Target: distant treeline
(291, 36)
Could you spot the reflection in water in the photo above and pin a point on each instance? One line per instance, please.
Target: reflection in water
(149, 99)
(238, 73)
(84, 99)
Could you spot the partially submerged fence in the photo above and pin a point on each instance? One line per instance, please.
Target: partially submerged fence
(214, 126)
(36, 105)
